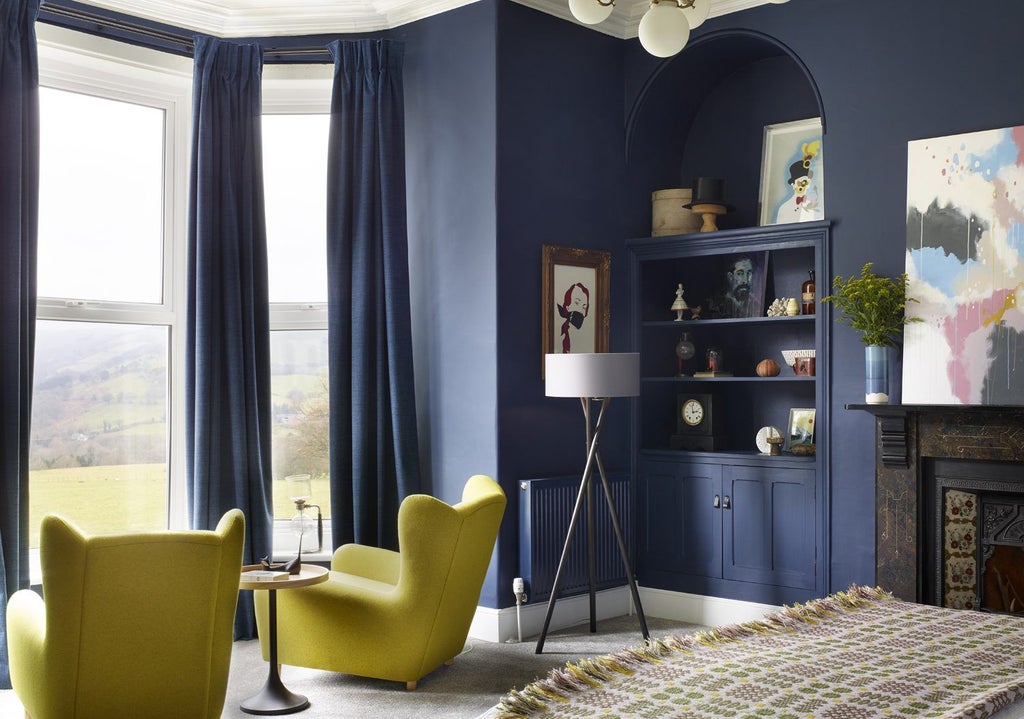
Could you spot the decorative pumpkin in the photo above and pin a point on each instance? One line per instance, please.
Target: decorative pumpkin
(768, 368)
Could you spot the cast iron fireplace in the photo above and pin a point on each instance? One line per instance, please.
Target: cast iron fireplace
(973, 539)
(950, 505)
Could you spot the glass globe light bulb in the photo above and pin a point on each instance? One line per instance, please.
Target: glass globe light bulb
(590, 12)
(664, 30)
(697, 13)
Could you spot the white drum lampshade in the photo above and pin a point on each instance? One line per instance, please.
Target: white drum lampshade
(592, 374)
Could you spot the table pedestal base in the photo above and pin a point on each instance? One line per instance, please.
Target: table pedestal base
(274, 699)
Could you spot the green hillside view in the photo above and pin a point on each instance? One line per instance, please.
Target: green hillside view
(100, 395)
(129, 497)
(100, 432)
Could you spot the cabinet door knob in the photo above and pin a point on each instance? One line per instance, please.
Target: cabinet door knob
(725, 502)
(717, 503)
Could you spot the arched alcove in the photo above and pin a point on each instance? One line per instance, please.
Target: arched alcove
(703, 113)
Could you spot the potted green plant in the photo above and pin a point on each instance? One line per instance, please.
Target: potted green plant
(876, 307)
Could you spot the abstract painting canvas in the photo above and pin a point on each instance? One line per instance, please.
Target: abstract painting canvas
(965, 263)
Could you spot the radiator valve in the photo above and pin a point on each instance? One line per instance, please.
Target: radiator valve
(519, 589)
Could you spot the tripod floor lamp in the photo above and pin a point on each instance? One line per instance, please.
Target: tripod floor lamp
(592, 377)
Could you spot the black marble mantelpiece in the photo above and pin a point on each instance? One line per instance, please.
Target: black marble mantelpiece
(906, 435)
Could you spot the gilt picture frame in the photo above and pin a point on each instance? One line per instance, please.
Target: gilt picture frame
(575, 286)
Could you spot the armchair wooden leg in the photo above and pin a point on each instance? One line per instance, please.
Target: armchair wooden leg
(410, 686)
(450, 662)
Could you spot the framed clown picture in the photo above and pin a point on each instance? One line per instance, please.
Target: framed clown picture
(792, 173)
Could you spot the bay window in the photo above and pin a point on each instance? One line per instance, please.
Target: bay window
(102, 407)
(108, 441)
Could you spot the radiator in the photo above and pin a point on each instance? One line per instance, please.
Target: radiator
(545, 510)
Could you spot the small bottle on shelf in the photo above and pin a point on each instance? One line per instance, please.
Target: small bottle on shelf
(807, 295)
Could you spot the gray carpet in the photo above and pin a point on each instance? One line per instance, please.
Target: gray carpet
(480, 676)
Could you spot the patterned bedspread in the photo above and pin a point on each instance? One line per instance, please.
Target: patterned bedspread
(855, 655)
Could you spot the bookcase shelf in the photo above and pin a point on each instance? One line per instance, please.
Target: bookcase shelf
(732, 522)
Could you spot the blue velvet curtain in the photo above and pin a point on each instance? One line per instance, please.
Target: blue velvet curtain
(228, 326)
(19, 213)
(373, 439)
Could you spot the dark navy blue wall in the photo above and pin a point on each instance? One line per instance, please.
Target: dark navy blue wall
(887, 73)
(559, 163)
(528, 130)
(450, 130)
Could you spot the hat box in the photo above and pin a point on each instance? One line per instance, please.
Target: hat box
(668, 216)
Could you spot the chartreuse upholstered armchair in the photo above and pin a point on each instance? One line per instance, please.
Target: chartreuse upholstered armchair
(395, 615)
(132, 625)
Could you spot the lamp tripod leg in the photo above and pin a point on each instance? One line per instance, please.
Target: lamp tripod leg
(593, 457)
(591, 564)
(584, 484)
(623, 550)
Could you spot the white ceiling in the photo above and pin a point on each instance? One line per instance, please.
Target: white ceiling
(255, 18)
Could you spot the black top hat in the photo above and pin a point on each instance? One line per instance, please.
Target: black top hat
(708, 191)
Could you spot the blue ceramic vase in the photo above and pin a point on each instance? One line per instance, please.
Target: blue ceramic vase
(876, 374)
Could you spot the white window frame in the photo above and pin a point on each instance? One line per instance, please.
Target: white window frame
(298, 90)
(89, 65)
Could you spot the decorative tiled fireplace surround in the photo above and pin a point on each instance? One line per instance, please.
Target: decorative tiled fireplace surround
(946, 462)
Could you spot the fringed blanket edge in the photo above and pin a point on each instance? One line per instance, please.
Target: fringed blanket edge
(562, 682)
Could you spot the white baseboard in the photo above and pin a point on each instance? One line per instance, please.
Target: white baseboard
(698, 609)
(501, 625)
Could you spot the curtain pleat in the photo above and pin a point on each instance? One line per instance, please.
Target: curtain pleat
(373, 437)
(228, 324)
(19, 214)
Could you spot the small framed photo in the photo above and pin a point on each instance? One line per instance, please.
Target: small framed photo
(575, 287)
(792, 173)
(801, 428)
(741, 292)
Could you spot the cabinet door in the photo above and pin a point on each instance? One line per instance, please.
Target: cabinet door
(680, 529)
(769, 527)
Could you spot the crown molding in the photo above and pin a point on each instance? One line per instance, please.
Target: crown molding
(261, 18)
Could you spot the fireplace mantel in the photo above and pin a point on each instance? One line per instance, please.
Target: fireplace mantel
(1001, 436)
(906, 435)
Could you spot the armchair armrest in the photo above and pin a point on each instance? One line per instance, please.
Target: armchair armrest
(381, 565)
(26, 631)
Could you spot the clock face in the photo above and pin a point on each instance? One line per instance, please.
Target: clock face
(692, 412)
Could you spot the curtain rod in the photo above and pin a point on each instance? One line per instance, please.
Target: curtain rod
(166, 38)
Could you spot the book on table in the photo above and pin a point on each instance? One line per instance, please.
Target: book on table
(263, 575)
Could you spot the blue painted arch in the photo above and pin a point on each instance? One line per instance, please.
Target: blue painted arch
(723, 51)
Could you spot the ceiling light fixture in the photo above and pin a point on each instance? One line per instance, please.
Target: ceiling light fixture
(591, 12)
(664, 29)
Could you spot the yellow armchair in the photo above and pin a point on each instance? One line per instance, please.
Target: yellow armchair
(133, 625)
(395, 615)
